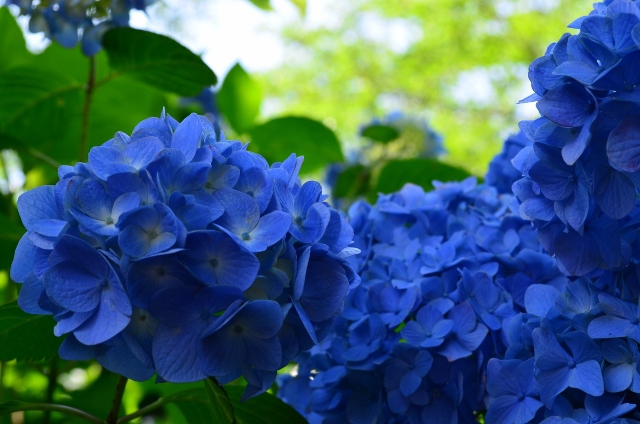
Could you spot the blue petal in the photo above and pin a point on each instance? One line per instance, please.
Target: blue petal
(241, 211)
(510, 409)
(23, 260)
(587, 376)
(140, 152)
(324, 291)
(215, 258)
(607, 327)
(187, 136)
(271, 228)
(539, 298)
(72, 350)
(153, 127)
(568, 105)
(120, 360)
(338, 234)
(37, 204)
(30, 293)
(618, 377)
(177, 354)
(106, 161)
(73, 287)
(409, 383)
(106, 322)
(623, 145)
(614, 192)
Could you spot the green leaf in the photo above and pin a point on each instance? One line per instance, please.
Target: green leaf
(156, 60)
(278, 138)
(25, 336)
(380, 133)
(262, 4)
(102, 388)
(352, 182)
(106, 119)
(263, 409)
(37, 105)
(420, 171)
(220, 402)
(13, 49)
(301, 5)
(239, 99)
(11, 230)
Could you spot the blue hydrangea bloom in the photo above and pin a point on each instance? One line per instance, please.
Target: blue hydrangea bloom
(580, 176)
(180, 253)
(440, 271)
(70, 22)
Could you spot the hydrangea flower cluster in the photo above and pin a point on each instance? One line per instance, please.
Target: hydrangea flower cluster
(71, 21)
(420, 139)
(440, 273)
(502, 174)
(572, 355)
(581, 175)
(177, 252)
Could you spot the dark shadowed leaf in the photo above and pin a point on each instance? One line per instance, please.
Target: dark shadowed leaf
(421, 171)
(353, 181)
(263, 409)
(85, 399)
(25, 336)
(156, 60)
(278, 138)
(239, 99)
(219, 401)
(10, 232)
(380, 133)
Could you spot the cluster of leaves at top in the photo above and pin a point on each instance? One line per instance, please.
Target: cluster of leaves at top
(71, 21)
(176, 251)
(456, 290)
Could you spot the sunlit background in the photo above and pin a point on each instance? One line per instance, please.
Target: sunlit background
(461, 65)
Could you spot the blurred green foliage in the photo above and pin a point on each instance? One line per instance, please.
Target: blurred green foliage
(365, 58)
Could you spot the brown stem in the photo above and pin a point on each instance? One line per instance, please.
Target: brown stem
(86, 108)
(117, 400)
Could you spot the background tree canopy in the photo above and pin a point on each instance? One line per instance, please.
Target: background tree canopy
(462, 64)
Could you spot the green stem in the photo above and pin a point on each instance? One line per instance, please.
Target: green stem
(2, 367)
(86, 108)
(142, 411)
(47, 159)
(52, 377)
(117, 400)
(54, 408)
